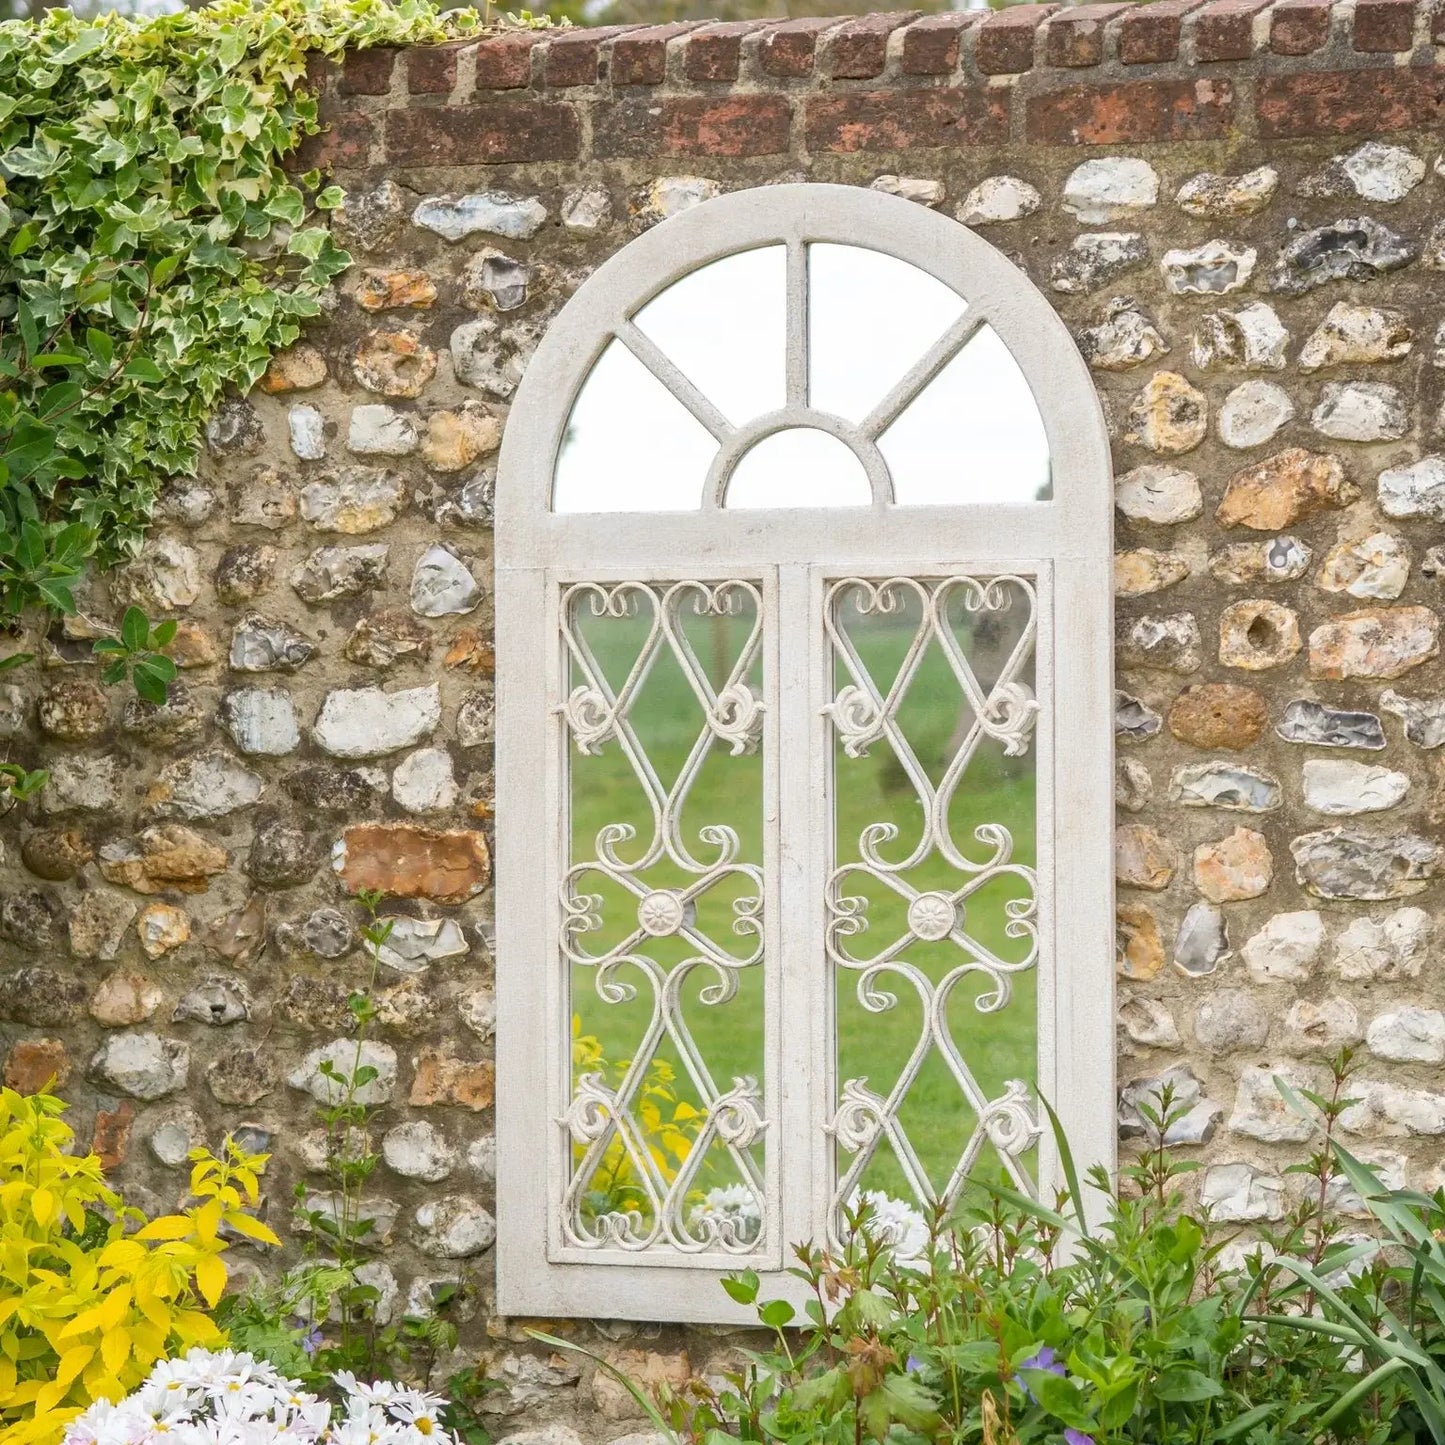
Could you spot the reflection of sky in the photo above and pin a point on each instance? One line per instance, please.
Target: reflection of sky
(973, 434)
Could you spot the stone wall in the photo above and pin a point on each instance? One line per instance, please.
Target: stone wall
(1240, 210)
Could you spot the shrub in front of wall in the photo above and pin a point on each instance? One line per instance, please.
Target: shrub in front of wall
(91, 1294)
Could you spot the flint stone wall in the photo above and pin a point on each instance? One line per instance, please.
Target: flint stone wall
(1238, 207)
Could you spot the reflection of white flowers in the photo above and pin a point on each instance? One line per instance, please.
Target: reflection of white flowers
(896, 1223)
(732, 1210)
(225, 1398)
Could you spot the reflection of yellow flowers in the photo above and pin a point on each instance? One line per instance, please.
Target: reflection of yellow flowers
(668, 1124)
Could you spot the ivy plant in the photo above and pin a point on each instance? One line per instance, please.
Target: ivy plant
(154, 251)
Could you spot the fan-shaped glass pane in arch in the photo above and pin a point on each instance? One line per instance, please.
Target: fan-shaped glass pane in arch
(819, 375)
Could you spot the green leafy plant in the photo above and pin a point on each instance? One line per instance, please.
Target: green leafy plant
(136, 653)
(1031, 1324)
(91, 1294)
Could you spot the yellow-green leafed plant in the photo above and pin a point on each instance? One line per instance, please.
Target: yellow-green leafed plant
(91, 1295)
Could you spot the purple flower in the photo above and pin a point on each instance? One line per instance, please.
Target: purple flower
(1045, 1359)
(913, 1365)
(311, 1342)
(1077, 1437)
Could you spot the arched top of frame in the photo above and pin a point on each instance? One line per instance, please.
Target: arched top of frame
(804, 348)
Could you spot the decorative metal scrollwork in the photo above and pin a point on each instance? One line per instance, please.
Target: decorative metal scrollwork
(865, 714)
(667, 1206)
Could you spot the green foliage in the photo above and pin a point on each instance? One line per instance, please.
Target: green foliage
(1386, 1303)
(136, 653)
(1027, 1324)
(91, 1295)
(153, 252)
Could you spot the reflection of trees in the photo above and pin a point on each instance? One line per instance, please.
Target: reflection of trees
(987, 641)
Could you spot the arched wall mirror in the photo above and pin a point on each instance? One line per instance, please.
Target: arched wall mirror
(804, 751)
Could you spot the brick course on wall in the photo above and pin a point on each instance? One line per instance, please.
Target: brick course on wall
(1238, 208)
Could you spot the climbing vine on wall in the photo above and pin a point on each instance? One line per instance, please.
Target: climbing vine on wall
(153, 251)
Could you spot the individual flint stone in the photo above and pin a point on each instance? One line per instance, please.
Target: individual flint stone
(1142, 859)
(1352, 335)
(371, 219)
(1240, 1193)
(204, 785)
(1143, 571)
(353, 500)
(329, 788)
(487, 356)
(997, 199)
(1373, 172)
(368, 723)
(261, 721)
(1257, 634)
(493, 213)
(1110, 188)
(586, 210)
(1374, 642)
(670, 196)
(425, 782)
(476, 720)
(1197, 1115)
(324, 933)
(1251, 339)
(1159, 493)
(260, 645)
(1218, 715)
(457, 438)
(1095, 260)
(393, 363)
(1220, 197)
(1225, 785)
(98, 924)
(1148, 1023)
(263, 498)
(216, 1001)
(169, 856)
(1168, 416)
(1202, 942)
(1212, 269)
(331, 573)
(1230, 1020)
(411, 861)
(1387, 1111)
(1286, 948)
(414, 944)
(80, 785)
(343, 1056)
(1253, 414)
(1127, 337)
(1134, 720)
(378, 289)
(1340, 788)
(244, 573)
(382, 639)
(234, 429)
(176, 720)
(1377, 566)
(442, 584)
(1361, 411)
(1170, 643)
(1408, 1035)
(123, 999)
(142, 1066)
(1308, 721)
(1350, 250)
(1262, 1112)
(418, 1150)
(494, 281)
(910, 188)
(1349, 864)
(1432, 564)
(1238, 866)
(1424, 717)
(1284, 489)
(454, 1227)
(1322, 1028)
(282, 855)
(56, 854)
(377, 430)
(1280, 559)
(1417, 490)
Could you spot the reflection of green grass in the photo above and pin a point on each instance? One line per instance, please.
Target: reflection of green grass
(997, 1046)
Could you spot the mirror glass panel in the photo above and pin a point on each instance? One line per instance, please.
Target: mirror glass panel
(662, 915)
(932, 929)
(870, 317)
(630, 445)
(799, 467)
(723, 326)
(973, 434)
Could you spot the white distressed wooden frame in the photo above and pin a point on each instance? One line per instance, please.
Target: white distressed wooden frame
(1065, 544)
